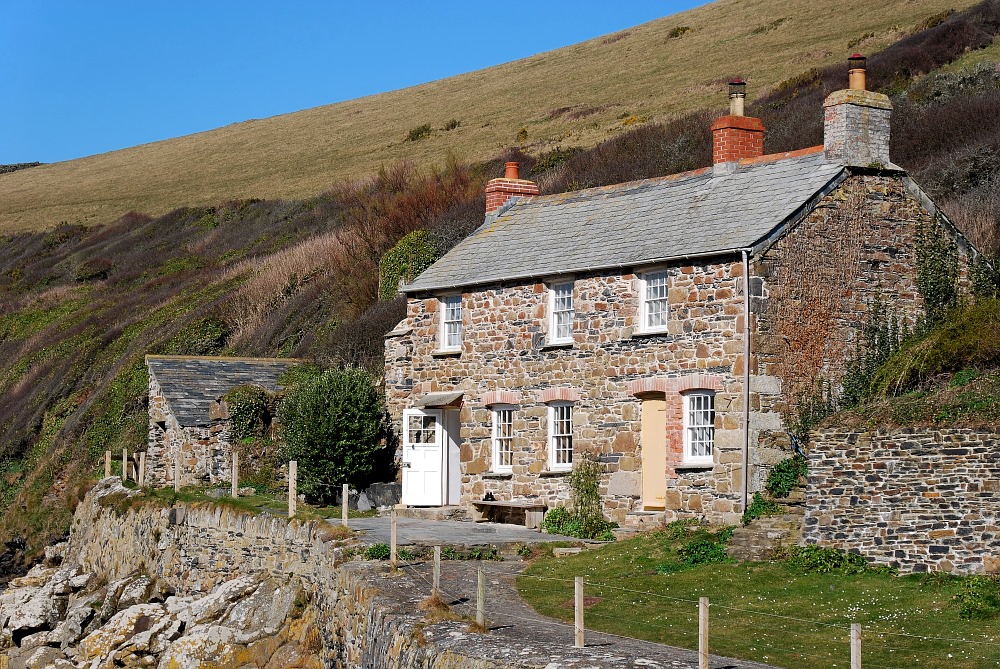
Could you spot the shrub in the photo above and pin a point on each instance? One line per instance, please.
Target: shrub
(249, 415)
(334, 425)
(403, 262)
(786, 475)
(760, 507)
(703, 550)
(378, 552)
(451, 125)
(204, 336)
(678, 31)
(584, 485)
(979, 598)
(822, 560)
(419, 132)
(94, 269)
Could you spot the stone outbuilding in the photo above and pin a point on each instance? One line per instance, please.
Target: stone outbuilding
(189, 424)
(667, 327)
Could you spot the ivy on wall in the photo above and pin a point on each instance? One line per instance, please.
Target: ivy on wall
(403, 262)
(937, 271)
(249, 414)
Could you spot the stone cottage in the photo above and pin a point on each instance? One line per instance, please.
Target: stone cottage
(189, 426)
(666, 327)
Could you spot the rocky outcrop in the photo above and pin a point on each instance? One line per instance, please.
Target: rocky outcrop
(59, 617)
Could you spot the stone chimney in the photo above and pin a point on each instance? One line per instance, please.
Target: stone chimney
(856, 121)
(736, 136)
(498, 191)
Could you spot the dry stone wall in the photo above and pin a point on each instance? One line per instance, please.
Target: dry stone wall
(194, 549)
(920, 500)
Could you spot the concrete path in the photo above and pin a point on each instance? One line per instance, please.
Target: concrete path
(518, 636)
(414, 531)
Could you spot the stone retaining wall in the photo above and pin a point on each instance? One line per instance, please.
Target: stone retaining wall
(920, 500)
(193, 549)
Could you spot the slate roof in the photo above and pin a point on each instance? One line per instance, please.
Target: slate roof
(636, 223)
(190, 384)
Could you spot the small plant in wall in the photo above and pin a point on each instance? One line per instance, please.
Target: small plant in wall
(786, 475)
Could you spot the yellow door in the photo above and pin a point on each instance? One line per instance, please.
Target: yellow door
(654, 453)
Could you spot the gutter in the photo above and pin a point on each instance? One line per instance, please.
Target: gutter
(746, 379)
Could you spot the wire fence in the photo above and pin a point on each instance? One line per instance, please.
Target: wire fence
(771, 637)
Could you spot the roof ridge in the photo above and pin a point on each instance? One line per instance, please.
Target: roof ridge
(220, 358)
(677, 176)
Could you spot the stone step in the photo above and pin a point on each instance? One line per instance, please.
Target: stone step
(433, 512)
(644, 520)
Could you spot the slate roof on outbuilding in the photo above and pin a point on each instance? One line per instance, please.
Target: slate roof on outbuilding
(191, 383)
(634, 224)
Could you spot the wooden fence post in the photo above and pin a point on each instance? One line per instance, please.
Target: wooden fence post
(177, 470)
(293, 484)
(392, 538)
(236, 475)
(343, 504)
(142, 468)
(437, 572)
(107, 464)
(855, 646)
(481, 598)
(578, 641)
(703, 633)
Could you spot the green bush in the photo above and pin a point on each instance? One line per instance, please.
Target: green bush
(334, 425)
(822, 560)
(419, 132)
(378, 552)
(786, 475)
(703, 550)
(249, 416)
(760, 507)
(979, 598)
(587, 518)
(204, 336)
(403, 262)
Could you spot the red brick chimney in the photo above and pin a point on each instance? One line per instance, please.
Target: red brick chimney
(736, 136)
(498, 191)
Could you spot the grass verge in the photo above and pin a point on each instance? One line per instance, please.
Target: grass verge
(768, 612)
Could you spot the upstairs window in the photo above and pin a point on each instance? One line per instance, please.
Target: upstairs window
(503, 438)
(451, 323)
(561, 310)
(653, 292)
(560, 436)
(699, 427)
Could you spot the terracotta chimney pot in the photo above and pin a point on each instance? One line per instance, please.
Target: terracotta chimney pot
(856, 75)
(510, 170)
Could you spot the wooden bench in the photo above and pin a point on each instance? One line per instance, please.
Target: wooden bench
(533, 511)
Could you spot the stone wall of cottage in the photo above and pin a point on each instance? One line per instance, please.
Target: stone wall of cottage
(812, 289)
(609, 365)
(917, 499)
(205, 451)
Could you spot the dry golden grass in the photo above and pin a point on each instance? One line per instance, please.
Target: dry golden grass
(577, 95)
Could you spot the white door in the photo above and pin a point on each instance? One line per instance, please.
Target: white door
(423, 457)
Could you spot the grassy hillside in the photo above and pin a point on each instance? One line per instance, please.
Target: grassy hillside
(575, 96)
(81, 305)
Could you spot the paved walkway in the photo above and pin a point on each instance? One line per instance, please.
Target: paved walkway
(517, 635)
(415, 531)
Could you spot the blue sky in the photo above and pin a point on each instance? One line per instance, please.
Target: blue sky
(80, 77)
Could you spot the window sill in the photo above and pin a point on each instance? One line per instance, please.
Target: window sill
(694, 466)
(649, 333)
(446, 354)
(552, 473)
(498, 475)
(557, 344)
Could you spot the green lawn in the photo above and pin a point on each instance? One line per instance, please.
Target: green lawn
(767, 612)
